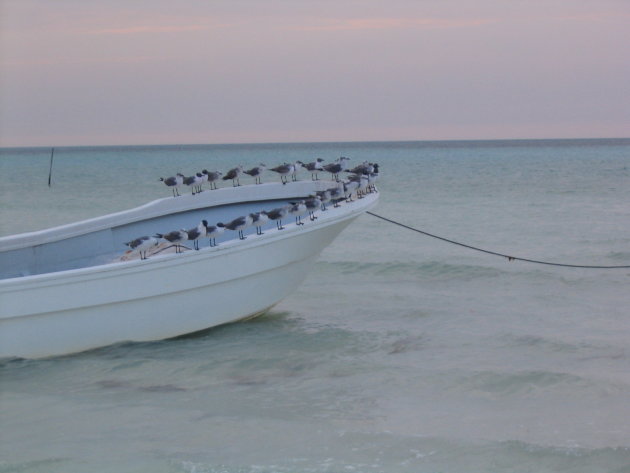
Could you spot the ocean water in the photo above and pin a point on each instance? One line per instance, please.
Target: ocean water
(399, 353)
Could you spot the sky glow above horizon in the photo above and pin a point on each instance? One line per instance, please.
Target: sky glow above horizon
(228, 71)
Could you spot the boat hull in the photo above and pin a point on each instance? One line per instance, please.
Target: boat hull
(161, 297)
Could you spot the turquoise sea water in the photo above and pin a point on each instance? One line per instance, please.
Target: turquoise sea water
(399, 353)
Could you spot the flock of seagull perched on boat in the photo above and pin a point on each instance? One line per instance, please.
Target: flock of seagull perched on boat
(286, 171)
(361, 180)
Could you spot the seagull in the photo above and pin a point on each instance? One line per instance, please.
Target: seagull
(284, 170)
(212, 177)
(324, 197)
(200, 179)
(175, 182)
(313, 167)
(176, 237)
(142, 244)
(296, 167)
(256, 172)
(297, 209)
(204, 178)
(213, 231)
(363, 168)
(195, 233)
(363, 186)
(372, 178)
(258, 220)
(336, 194)
(348, 188)
(312, 205)
(336, 167)
(362, 183)
(277, 215)
(194, 182)
(239, 224)
(234, 174)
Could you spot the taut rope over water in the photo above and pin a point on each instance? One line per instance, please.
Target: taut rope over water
(510, 258)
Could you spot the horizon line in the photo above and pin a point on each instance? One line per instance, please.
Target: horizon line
(255, 143)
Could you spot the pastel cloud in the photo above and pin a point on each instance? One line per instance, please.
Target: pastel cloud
(142, 29)
(393, 23)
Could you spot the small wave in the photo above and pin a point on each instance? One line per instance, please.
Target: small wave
(521, 382)
(421, 270)
(406, 344)
(32, 466)
(543, 343)
(620, 256)
(363, 452)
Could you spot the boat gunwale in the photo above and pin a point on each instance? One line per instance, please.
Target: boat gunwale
(158, 262)
(161, 207)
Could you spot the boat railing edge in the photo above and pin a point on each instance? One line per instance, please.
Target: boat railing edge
(231, 245)
(164, 206)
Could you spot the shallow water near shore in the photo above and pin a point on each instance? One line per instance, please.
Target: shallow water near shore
(399, 353)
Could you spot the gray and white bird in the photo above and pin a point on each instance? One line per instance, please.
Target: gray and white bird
(313, 167)
(234, 174)
(284, 170)
(258, 220)
(348, 188)
(297, 209)
(335, 168)
(175, 182)
(213, 231)
(195, 233)
(194, 182)
(372, 178)
(278, 214)
(176, 237)
(256, 172)
(324, 196)
(361, 183)
(296, 167)
(336, 194)
(239, 224)
(142, 245)
(363, 168)
(313, 204)
(212, 177)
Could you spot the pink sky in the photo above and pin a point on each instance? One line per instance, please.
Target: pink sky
(76, 72)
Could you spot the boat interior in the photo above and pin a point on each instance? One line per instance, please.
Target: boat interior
(107, 245)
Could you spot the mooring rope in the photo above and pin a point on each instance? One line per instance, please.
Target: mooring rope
(510, 258)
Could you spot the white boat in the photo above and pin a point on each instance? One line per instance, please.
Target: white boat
(73, 288)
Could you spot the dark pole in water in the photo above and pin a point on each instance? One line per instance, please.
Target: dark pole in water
(52, 153)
